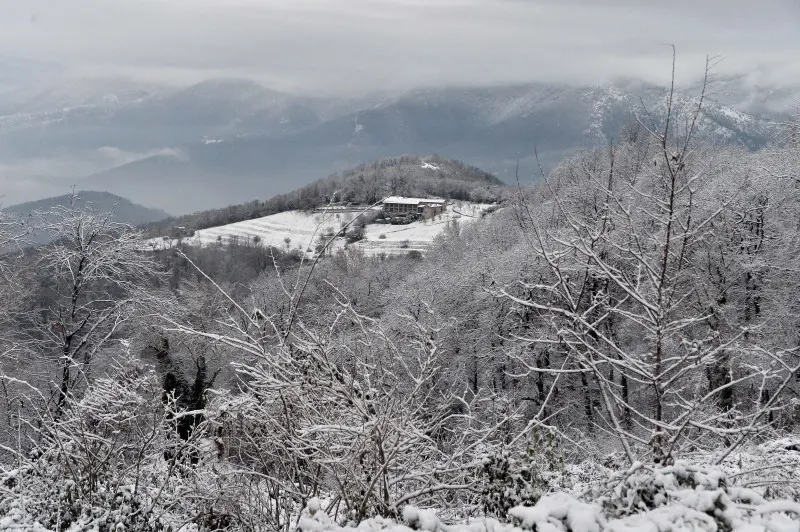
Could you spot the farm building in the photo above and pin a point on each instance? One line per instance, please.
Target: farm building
(424, 207)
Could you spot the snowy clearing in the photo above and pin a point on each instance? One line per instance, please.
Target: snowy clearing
(417, 236)
(301, 230)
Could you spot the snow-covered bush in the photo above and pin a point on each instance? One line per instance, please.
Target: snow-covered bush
(521, 477)
(111, 460)
(676, 498)
(685, 492)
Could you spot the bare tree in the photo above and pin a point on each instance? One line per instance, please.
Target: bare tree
(621, 299)
(87, 284)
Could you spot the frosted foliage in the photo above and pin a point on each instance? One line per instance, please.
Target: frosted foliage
(678, 498)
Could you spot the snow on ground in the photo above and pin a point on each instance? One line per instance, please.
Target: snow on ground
(417, 236)
(679, 498)
(300, 227)
(303, 229)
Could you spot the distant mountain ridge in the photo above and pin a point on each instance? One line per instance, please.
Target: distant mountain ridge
(230, 141)
(124, 211)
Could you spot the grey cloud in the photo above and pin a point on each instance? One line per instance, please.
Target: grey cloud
(319, 46)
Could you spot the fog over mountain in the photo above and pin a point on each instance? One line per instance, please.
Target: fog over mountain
(231, 140)
(215, 102)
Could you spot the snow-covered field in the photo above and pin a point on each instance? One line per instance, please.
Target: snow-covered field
(302, 229)
(398, 239)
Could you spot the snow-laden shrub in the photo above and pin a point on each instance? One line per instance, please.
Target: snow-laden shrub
(110, 460)
(641, 488)
(520, 477)
(508, 484)
(84, 475)
(41, 499)
(684, 492)
(514, 478)
(676, 498)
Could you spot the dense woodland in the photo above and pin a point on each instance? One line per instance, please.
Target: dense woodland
(408, 175)
(616, 335)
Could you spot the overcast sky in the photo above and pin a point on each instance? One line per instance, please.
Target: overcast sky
(323, 46)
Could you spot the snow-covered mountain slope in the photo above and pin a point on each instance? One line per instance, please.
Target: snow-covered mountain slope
(302, 230)
(612, 108)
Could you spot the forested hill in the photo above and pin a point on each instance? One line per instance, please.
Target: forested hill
(124, 211)
(407, 175)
